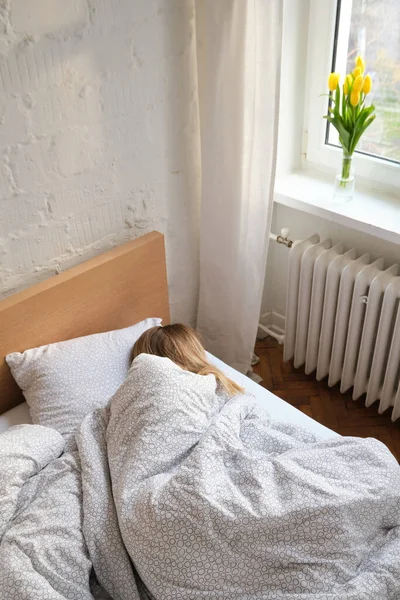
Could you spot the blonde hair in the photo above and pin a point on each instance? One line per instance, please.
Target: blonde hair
(182, 345)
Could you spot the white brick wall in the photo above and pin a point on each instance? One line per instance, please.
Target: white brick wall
(98, 136)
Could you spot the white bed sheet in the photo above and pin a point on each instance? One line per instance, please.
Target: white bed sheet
(277, 408)
(15, 416)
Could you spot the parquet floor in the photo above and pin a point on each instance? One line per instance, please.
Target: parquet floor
(324, 404)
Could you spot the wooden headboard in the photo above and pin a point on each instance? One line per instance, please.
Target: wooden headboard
(113, 290)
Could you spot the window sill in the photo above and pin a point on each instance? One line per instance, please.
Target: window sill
(370, 211)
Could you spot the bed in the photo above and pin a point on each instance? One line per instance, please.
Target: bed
(99, 295)
(350, 488)
(278, 408)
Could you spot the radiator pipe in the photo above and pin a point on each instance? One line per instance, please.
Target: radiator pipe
(283, 238)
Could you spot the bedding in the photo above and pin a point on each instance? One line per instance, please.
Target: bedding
(43, 555)
(19, 415)
(279, 409)
(63, 382)
(211, 498)
(177, 492)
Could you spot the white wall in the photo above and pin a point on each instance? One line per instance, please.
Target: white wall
(98, 136)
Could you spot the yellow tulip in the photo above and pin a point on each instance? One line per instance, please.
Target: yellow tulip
(348, 82)
(357, 71)
(333, 81)
(360, 63)
(367, 84)
(354, 98)
(358, 83)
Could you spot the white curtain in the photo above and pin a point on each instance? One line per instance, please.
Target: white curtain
(238, 62)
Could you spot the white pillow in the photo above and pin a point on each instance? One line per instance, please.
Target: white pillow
(65, 381)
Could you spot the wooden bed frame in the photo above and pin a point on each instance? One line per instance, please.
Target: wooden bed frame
(112, 291)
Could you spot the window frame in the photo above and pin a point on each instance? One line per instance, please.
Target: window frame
(320, 47)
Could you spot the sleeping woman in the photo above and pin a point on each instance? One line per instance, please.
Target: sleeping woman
(182, 345)
(215, 499)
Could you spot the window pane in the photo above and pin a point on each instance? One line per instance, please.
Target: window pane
(371, 28)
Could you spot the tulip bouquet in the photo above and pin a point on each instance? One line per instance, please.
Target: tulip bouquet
(348, 112)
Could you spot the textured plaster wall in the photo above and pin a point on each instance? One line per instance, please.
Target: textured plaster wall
(98, 136)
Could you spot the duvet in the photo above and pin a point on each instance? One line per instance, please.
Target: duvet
(178, 492)
(43, 555)
(212, 499)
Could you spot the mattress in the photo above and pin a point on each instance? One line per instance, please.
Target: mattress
(277, 408)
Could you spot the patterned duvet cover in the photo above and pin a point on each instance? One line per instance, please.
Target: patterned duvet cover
(177, 492)
(43, 555)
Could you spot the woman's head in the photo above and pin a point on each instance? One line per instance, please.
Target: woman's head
(182, 345)
(177, 342)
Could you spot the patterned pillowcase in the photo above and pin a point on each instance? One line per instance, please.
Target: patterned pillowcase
(65, 381)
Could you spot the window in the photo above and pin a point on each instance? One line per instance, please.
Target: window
(338, 31)
(371, 28)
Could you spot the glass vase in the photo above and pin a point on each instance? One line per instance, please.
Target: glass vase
(345, 181)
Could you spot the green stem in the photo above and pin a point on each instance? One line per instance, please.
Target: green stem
(346, 166)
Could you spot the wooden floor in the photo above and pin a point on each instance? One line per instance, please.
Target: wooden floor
(324, 404)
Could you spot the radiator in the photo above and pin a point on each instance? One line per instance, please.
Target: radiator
(343, 320)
